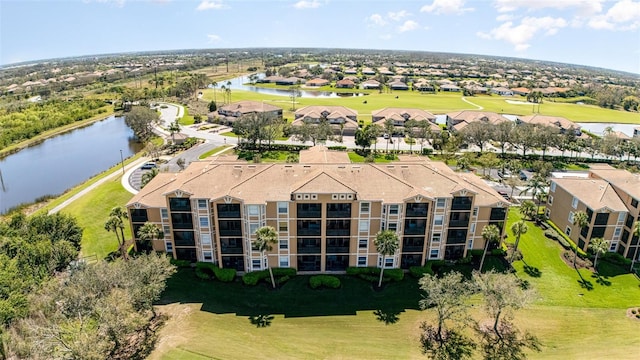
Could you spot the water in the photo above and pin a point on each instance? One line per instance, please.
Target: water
(598, 128)
(238, 83)
(64, 161)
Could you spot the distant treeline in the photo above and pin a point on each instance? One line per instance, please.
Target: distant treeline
(25, 122)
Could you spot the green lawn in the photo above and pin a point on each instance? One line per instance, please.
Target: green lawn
(213, 151)
(357, 158)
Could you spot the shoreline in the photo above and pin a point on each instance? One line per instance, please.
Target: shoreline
(14, 148)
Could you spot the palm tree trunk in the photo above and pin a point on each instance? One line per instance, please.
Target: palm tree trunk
(273, 281)
(484, 254)
(595, 262)
(381, 274)
(515, 249)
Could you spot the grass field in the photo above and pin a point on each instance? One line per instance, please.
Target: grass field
(441, 103)
(345, 323)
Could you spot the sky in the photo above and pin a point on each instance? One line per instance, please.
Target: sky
(601, 33)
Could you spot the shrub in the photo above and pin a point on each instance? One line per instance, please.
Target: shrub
(224, 275)
(282, 272)
(283, 279)
(419, 271)
(466, 260)
(324, 280)
(498, 252)
(201, 274)
(252, 278)
(180, 263)
(373, 273)
(394, 274)
(476, 252)
(616, 259)
(567, 240)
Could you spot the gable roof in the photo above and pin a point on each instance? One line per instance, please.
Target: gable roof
(596, 194)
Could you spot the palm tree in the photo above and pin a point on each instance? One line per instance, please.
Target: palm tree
(149, 232)
(387, 244)
(490, 233)
(114, 224)
(536, 184)
(265, 237)
(148, 176)
(174, 128)
(598, 246)
(389, 128)
(528, 209)
(215, 85)
(228, 90)
(581, 219)
(541, 196)
(518, 228)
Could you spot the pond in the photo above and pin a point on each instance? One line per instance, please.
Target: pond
(241, 83)
(598, 128)
(61, 162)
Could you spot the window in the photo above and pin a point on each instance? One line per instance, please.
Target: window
(470, 244)
(205, 239)
(363, 225)
(434, 253)
(364, 208)
(202, 203)
(253, 227)
(283, 226)
(617, 232)
(362, 261)
(164, 213)
(634, 202)
(207, 255)
(568, 231)
(167, 231)
(392, 226)
(254, 210)
(393, 209)
(552, 187)
(255, 264)
(438, 219)
(574, 202)
(472, 229)
(570, 217)
(440, 203)
(283, 261)
(436, 237)
(547, 213)
(614, 246)
(283, 244)
(362, 243)
(283, 207)
(621, 217)
(388, 263)
(169, 246)
(179, 204)
(475, 211)
(204, 221)
(550, 200)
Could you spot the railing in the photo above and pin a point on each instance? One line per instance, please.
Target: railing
(338, 232)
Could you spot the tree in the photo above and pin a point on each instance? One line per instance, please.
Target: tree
(181, 163)
(503, 133)
(266, 236)
(294, 93)
(490, 234)
(174, 128)
(581, 219)
(502, 295)
(477, 133)
(598, 246)
(386, 243)
(518, 229)
(316, 133)
(448, 296)
(424, 132)
(524, 137)
(212, 105)
(147, 176)
(513, 181)
(389, 129)
(536, 184)
(117, 218)
(141, 120)
(528, 209)
(149, 232)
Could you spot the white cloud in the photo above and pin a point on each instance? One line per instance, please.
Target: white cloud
(385, 37)
(377, 19)
(520, 35)
(583, 7)
(446, 7)
(398, 15)
(306, 4)
(504, 17)
(623, 15)
(408, 26)
(118, 3)
(210, 5)
(214, 38)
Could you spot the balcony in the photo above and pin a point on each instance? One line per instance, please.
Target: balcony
(337, 245)
(229, 211)
(412, 245)
(139, 215)
(415, 227)
(309, 211)
(417, 210)
(229, 228)
(461, 203)
(309, 228)
(231, 246)
(339, 210)
(309, 246)
(338, 227)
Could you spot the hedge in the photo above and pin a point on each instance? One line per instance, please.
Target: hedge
(329, 281)
(373, 273)
(202, 274)
(253, 277)
(224, 275)
(561, 234)
(180, 263)
(428, 268)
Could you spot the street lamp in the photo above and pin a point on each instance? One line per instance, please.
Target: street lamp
(122, 161)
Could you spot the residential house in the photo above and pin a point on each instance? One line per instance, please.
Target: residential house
(370, 84)
(401, 115)
(476, 89)
(368, 71)
(450, 87)
(345, 84)
(231, 112)
(326, 211)
(289, 81)
(317, 82)
(398, 85)
(610, 197)
(502, 91)
(558, 122)
(521, 91)
(456, 121)
(344, 121)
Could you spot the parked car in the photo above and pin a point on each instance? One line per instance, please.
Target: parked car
(148, 166)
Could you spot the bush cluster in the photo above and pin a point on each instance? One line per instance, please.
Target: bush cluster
(616, 259)
(329, 281)
(180, 263)
(209, 271)
(278, 147)
(373, 273)
(337, 148)
(281, 274)
(429, 268)
(563, 239)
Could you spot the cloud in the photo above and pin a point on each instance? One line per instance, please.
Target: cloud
(448, 7)
(118, 3)
(211, 5)
(385, 37)
(306, 4)
(623, 15)
(520, 35)
(504, 17)
(213, 38)
(377, 19)
(398, 15)
(408, 26)
(583, 7)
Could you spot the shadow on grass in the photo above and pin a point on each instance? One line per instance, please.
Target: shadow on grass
(261, 321)
(531, 270)
(293, 299)
(584, 283)
(387, 316)
(602, 280)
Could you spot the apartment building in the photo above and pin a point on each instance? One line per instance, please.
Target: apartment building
(327, 211)
(609, 197)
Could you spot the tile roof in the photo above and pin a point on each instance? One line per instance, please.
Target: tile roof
(626, 181)
(596, 194)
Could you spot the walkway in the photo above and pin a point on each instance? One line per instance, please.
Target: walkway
(472, 104)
